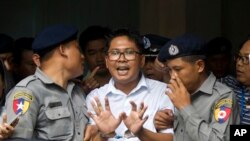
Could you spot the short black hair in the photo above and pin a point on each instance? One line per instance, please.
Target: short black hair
(244, 41)
(20, 45)
(219, 45)
(131, 34)
(91, 33)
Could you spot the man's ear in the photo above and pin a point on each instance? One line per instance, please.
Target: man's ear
(36, 59)
(200, 65)
(62, 50)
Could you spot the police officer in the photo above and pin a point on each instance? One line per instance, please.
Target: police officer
(204, 107)
(50, 105)
(153, 44)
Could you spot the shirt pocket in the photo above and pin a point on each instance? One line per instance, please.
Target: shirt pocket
(60, 124)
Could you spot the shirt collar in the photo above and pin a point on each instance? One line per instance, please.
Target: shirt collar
(207, 85)
(42, 76)
(141, 85)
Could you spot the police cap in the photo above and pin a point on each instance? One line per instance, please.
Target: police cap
(153, 44)
(54, 35)
(185, 45)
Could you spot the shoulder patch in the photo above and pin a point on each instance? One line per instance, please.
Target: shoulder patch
(21, 101)
(222, 110)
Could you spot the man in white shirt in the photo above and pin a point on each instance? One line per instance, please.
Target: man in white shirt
(128, 86)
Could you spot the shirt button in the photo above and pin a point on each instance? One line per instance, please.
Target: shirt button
(79, 133)
(181, 130)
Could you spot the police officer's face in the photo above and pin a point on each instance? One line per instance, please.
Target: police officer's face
(75, 59)
(95, 56)
(243, 66)
(124, 71)
(188, 72)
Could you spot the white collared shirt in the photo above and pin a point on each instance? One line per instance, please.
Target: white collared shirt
(149, 91)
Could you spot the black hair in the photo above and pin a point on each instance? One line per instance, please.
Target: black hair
(219, 45)
(21, 45)
(244, 41)
(91, 33)
(131, 34)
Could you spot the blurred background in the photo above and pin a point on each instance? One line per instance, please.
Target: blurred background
(207, 18)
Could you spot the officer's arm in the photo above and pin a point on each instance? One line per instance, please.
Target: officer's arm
(199, 129)
(163, 119)
(22, 100)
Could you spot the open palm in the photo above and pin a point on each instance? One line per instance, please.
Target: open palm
(104, 119)
(134, 122)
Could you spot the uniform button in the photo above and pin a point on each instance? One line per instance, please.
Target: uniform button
(59, 114)
(79, 133)
(181, 130)
(76, 112)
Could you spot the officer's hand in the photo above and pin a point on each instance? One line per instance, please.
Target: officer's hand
(178, 93)
(104, 119)
(5, 129)
(164, 119)
(90, 83)
(159, 65)
(134, 122)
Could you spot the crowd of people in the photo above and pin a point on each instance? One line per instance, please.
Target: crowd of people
(105, 84)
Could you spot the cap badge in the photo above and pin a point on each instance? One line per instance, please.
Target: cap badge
(146, 42)
(173, 50)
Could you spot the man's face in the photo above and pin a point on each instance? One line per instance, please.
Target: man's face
(187, 72)
(94, 54)
(125, 69)
(27, 66)
(75, 59)
(242, 64)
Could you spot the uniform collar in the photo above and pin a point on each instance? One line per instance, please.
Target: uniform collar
(113, 90)
(45, 79)
(207, 85)
(42, 76)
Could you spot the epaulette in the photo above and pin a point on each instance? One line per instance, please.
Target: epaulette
(222, 88)
(26, 81)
